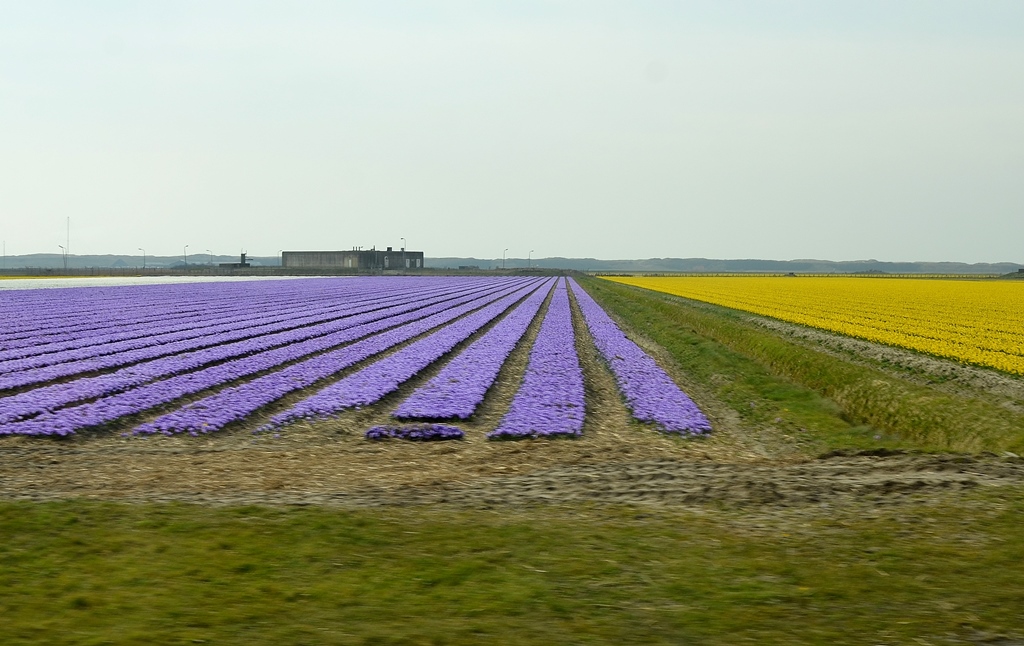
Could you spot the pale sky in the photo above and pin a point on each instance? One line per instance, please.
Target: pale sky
(833, 129)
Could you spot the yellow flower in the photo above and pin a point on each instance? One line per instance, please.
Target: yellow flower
(973, 321)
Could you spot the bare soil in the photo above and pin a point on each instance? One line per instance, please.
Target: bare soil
(619, 466)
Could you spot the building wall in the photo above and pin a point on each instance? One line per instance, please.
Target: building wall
(352, 259)
(393, 259)
(348, 259)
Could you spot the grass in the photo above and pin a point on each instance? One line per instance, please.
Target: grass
(79, 572)
(842, 405)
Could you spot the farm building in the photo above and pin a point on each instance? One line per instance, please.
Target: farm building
(354, 259)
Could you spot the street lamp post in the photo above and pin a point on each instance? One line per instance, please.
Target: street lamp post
(404, 267)
(211, 257)
(503, 258)
(143, 257)
(64, 256)
(185, 253)
(529, 260)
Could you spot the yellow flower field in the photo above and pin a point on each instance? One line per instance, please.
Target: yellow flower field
(979, 322)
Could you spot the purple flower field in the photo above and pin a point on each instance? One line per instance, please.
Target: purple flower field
(650, 392)
(198, 358)
(460, 387)
(550, 399)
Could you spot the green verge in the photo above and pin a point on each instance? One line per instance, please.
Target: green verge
(840, 402)
(84, 572)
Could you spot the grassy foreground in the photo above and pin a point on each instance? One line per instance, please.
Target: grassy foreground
(840, 404)
(90, 573)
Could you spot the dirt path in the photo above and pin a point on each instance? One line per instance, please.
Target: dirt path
(221, 473)
(880, 480)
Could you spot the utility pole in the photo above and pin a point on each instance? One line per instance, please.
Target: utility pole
(185, 253)
(211, 257)
(503, 258)
(143, 257)
(403, 255)
(529, 260)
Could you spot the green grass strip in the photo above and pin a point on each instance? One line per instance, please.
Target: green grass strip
(925, 417)
(99, 573)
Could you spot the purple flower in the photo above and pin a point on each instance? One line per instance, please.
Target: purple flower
(550, 399)
(235, 403)
(336, 316)
(369, 385)
(242, 358)
(649, 391)
(460, 387)
(418, 433)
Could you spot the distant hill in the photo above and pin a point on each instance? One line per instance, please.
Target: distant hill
(55, 261)
(746, 265)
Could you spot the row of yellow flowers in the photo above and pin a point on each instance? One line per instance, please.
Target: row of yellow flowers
(979, 322)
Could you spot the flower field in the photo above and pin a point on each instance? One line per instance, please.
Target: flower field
(261, 355)
(977, 322)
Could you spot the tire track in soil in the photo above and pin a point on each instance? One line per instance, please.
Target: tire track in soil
(830, 481)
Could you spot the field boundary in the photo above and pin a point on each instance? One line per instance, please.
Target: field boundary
(917, 412)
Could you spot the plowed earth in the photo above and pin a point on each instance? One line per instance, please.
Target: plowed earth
(313, 476)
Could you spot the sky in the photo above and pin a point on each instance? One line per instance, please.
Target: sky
(776, 129)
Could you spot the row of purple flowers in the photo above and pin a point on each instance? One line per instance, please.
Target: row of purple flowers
(26, 315)
(105, 350)
(108, 409)
(380, 378)
(650, 393)
(43, 324)
(125, 357)
(459, 388)
(34, 318)
(129, 319)
(130, 335)
(550, 399)
(235, 403)
(86, 330)
(271, 349)
(416, 433)
(290, 349)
